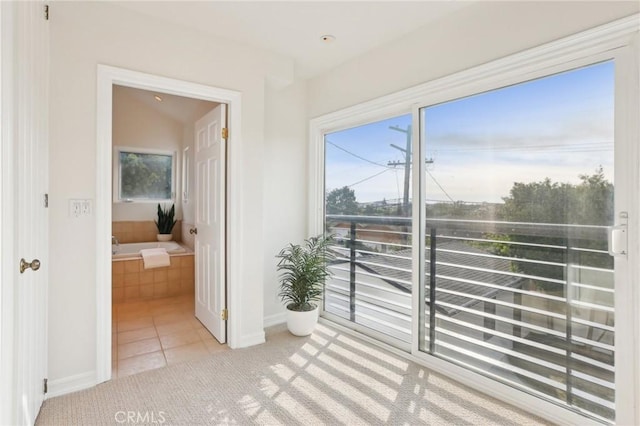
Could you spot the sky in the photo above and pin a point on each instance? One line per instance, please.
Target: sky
(558, 127)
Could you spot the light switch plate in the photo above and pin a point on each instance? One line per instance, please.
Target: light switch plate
(80, 207)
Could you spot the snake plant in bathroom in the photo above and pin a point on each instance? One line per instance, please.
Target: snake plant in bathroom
(304, 269)
(165, 222)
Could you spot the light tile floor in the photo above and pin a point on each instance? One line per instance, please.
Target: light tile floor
(155, 333)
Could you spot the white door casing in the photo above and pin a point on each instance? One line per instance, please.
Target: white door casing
(25, 74)
(107, 76)
(210, 162)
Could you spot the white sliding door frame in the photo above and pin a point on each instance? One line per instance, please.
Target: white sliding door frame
(618, 41)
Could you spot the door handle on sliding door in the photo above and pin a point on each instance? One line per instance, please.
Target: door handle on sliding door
(618, 236)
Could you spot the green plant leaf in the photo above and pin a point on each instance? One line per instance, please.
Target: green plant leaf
(303, 271)
(166, 221)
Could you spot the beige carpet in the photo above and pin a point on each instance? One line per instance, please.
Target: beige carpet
(326, 378)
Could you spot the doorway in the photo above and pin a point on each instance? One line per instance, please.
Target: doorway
(107, 78)
(156, 144)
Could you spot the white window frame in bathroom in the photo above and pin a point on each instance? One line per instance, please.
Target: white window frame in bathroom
(117, 176)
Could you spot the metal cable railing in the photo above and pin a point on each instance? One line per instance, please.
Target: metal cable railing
(528, 304)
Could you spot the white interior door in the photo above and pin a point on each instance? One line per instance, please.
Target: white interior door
(24, 214)
(210, 159)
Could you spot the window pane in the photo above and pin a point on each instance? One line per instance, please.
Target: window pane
(368, 208)
(519, 195)
(145, 176)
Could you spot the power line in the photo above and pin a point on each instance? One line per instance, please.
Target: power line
(439, 186)
(397, 182)
(356, 155)
(391, 166)
(370, 177)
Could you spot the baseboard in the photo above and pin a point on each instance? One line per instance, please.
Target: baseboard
(275, 319)
(250, 340)
(70, 384)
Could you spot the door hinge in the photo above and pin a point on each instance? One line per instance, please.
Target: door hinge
(45, 387)
(224, 314)
(46, 12)
(225, 133)
(46, 201)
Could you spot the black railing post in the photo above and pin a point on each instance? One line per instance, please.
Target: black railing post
(432, 291)
(352, 272)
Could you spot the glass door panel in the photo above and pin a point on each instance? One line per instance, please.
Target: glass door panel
(368, 210)
(519, 192)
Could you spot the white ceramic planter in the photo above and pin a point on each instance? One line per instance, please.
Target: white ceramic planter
(164, 237)
(302, 323)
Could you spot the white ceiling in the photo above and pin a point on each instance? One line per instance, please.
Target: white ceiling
(178, 108)
(294, 28)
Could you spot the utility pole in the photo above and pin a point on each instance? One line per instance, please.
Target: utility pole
(407, 166)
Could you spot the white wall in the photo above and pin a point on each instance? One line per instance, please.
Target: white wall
(136, 125)
(472, 36)
(273, 194)
(84, 34)
(285, 186)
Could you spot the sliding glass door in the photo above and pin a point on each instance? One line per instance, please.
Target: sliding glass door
(519, 201)
(481, 226)
(368, 210)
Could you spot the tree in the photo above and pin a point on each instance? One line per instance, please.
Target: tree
(536, 202)
(588, 203)
(593, 200)
(342, 201)
(145, 175)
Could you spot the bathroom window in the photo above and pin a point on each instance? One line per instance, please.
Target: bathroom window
(142, 175)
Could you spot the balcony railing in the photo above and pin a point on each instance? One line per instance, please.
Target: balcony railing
(528, 304)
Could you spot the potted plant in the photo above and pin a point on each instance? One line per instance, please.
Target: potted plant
(304, 269)
(165, 222)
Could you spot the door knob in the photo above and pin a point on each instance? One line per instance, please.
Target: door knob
(24, 265)
(193, 231)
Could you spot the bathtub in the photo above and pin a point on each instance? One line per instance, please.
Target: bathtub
(130, 281)
(132, 250)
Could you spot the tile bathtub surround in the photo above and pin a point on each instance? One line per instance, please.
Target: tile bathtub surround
(131, 282)
(141, 231)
